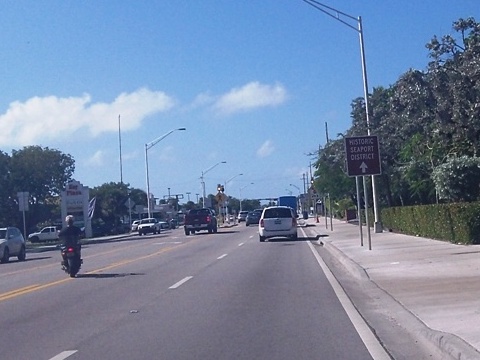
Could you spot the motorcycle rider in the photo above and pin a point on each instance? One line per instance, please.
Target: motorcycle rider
(70, 235)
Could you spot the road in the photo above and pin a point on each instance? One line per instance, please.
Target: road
(171, 296)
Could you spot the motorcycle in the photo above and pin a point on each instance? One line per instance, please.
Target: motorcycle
(71, 260)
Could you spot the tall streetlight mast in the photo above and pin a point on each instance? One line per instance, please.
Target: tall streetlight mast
(120, 150)
(296, 187)
(243, 187)
(225, 190)
(227, 181)
(336, 15)
(148, 146)
(203, 181)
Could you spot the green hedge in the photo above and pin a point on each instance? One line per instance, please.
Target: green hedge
(457, 223)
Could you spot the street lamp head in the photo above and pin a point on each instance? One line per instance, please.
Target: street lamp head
(182, 129)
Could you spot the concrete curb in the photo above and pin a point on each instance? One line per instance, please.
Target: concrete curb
(450, 345)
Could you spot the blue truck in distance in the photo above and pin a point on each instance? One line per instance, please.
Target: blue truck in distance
(290, 201)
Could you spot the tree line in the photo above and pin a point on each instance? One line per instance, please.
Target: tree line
(44, 173)
(428, 126)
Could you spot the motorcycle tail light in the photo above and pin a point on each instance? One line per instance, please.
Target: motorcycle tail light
(70, 249)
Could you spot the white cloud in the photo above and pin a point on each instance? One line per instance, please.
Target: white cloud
(266, 149)
(201, 100)
(44, 118)
(250, 96)
(97, 159)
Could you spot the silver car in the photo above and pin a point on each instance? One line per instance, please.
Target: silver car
(12, 243)
(277, 221)
(242, 215)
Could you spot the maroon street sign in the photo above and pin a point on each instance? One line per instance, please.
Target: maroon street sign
(363, 155)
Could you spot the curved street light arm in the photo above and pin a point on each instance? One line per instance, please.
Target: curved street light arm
(203, 182)
(319, 6)
(211, 167)
(151, 144)
(147, 147)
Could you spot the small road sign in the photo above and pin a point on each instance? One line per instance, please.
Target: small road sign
(363, 155)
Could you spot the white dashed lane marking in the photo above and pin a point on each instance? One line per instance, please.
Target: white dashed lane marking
(181, 282)
(63, 355)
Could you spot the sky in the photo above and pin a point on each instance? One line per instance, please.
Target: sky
(257, 84)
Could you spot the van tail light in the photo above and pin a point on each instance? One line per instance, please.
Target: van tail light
(208, 218)
(261, 223)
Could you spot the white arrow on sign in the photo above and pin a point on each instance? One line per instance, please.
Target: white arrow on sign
(364, 167)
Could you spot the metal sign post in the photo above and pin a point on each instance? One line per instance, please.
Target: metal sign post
(363, 159)
(23, 206)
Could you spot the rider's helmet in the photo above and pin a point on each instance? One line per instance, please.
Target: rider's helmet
(69, 219)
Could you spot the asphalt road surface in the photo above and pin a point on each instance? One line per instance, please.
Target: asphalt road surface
(171, 296)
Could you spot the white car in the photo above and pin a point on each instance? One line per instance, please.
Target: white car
(49, 233)
(277, 221)
(135, 225)
(12, 243)
(149, 225)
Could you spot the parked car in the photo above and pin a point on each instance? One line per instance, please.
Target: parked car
(277, 221)
(149, 225)
(242, 215)
(12, 243)
(48, 233)
(253, 217)
(164, 225)
(135, 225)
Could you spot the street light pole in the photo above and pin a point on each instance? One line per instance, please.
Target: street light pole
(319, 6)
(203, 181)
(225, 188)
(243, 187)
(296, 187)
(227, 181)
(148, 146)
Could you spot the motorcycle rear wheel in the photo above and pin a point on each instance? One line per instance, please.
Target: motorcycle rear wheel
(72, 267)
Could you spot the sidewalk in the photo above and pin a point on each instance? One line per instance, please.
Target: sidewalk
(435, 284)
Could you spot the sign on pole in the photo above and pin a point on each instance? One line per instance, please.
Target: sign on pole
(363, 155)
(23, 200)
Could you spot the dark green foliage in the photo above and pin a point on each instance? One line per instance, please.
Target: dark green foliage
(458, 179)
(43, 173)
(457, 223)
(111, 214)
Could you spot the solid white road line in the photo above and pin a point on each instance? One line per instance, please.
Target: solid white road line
(221, 257)
(64, 354)
(181, 282)
(371, 342)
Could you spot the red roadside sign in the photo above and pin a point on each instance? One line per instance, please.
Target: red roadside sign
(363, 155)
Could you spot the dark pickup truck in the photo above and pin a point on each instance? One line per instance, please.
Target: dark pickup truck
(200, 219)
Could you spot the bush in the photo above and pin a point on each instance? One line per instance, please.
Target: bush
(457, 222)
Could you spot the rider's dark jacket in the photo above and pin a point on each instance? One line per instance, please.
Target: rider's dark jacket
(70, 235)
